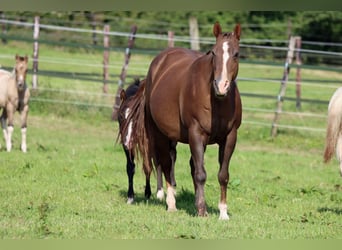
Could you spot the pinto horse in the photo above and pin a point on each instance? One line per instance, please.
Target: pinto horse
(14, 96)
(334, 128)
(192, 98)
(124, 110)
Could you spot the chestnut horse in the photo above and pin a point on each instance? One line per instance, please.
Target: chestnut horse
(334, 128)
(192, 98)
(14, 96)
(124, 110)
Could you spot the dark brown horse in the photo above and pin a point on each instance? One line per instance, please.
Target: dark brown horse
(125, 135)
(191, 97)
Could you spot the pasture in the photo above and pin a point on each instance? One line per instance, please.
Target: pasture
(72, 183)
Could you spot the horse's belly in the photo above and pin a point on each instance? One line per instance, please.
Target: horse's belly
(166, 118)
(165, 112)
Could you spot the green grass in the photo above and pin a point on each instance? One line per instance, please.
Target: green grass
(72, 185)
(72, 182)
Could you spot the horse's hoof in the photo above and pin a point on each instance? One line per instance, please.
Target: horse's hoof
(160, 194)
(130, 200)
(202, 213)
(172, 209)
(224, 217)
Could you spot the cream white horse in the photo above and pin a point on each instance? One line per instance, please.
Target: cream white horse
(14, 96)
(334, 128)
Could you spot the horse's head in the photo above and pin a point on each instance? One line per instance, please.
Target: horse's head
(225, 58)
(21, 66)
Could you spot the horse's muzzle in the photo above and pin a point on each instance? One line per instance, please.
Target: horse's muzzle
(21, 85)
(221, 87)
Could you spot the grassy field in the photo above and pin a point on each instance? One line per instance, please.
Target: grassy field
(72, 183)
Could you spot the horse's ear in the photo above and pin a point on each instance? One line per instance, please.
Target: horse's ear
(16, 57)
(26, 58)
(217, 29)
(237, 31)
(122, 95)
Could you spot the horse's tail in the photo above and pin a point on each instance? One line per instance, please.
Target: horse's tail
(140, 142)
(334, 125)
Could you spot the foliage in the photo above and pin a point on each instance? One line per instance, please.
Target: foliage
(320, 26)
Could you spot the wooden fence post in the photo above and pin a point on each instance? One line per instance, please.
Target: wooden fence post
(124, 71)
(4, 29)
(105, 58)
(170, 35)
(194, 33)
(35, 52)
(298, 73)
(283, 86)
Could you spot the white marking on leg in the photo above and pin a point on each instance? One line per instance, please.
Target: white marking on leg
(9, 138)
(170, 199)
(160, 194)
(224, 84)
(23, 140)
(223, 211)
(130, 200)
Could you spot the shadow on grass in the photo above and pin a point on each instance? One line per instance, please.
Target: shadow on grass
(337, 211)
(185, 200)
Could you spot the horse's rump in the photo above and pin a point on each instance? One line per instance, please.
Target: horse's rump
(334, 126)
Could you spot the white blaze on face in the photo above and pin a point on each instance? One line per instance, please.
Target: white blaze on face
(223, 84)
(129, 131)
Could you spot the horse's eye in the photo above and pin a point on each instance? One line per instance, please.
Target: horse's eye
(236, 55)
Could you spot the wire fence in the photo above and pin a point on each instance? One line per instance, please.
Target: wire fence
(86, 98)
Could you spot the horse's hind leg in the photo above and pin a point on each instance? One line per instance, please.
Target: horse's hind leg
(173, 155)
(160, 191)
(164, 159)
(147, 183)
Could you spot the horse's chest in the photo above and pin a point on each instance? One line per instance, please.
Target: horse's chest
(217, 124)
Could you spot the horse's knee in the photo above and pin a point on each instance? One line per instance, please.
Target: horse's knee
(223, 177)
(200, 177)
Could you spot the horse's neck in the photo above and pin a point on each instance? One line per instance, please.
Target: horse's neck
(204, 65)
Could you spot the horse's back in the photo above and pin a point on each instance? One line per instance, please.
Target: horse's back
(171, 63)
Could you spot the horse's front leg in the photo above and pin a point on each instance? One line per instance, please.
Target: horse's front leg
(3, 119)
(24, 114)
(197, 142)
(10, 116)
(226, 150)
(130, 170)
